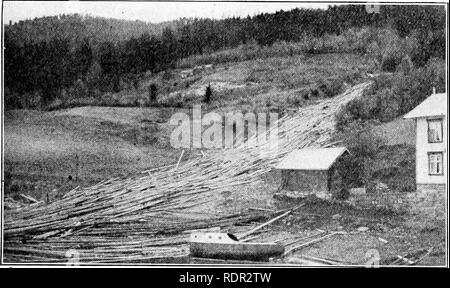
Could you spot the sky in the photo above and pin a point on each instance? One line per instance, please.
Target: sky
(146, 11)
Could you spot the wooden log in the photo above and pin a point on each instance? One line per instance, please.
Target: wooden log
(29, 198)
(179, 160)
(326, 261)
(261, 209)
(198, 260)
(246, 234)
(301, 246)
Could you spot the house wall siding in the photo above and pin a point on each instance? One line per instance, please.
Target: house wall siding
(427, 188)
(422, 149)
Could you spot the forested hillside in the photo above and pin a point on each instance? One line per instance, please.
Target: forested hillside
(76, 27)
(46, 57)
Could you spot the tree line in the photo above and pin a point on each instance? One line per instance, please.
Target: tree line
(46, 67)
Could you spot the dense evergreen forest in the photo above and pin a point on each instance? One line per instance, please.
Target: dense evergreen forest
(46, 55)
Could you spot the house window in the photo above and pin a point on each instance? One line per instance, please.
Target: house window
(435, 163)
(434, 130)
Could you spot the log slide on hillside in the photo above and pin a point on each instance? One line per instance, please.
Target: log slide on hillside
(141, 218)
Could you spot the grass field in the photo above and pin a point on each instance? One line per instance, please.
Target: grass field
(48, 153)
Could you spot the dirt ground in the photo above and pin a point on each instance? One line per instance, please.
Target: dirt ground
(385, 239)
(386, 234)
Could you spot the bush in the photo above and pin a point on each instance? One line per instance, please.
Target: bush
(406, 66)
(394, 95)
(331, 88)
(78, 90)
(427, 46)
(208, 94)
(358, 39)
(354, 111)
(152, 91)
(167, 75)
(11, 99)
(363, 146)
(389, 63)
(360, 140)
(395, 166)
(342, 194)
(412, 89)
(347, 174)
(296, 100)
(385, 106)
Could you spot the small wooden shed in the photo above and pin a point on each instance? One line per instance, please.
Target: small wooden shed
(311, 169)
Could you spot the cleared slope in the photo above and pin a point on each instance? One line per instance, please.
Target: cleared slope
(49, 153)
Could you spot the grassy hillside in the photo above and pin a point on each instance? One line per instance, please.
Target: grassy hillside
(50, 153)
(274, 83)
(397, 132)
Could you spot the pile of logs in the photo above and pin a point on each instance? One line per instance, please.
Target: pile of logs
(140, 218)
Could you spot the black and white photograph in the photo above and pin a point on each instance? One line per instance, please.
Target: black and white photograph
(224, 134)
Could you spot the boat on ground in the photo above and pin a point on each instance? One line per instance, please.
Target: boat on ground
(225, 246)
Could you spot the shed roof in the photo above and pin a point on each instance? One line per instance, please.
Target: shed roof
(435, 105)
(311, 158)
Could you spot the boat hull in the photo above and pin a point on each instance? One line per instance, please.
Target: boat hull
(236, 251)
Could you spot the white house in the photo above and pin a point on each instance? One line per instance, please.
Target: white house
(431, 142)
